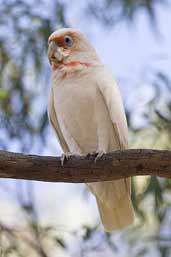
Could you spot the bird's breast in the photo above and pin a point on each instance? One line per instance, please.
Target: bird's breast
(75, 105)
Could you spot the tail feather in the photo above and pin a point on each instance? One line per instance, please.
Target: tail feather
(114, 203)
(118, 217)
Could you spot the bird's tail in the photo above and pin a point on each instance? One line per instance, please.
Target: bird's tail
(114, 203)
(117, 217)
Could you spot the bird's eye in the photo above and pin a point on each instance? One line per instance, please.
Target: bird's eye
(68, 41)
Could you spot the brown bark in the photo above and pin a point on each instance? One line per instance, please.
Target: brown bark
(78, 169)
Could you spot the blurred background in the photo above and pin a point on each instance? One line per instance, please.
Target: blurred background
(133, 39)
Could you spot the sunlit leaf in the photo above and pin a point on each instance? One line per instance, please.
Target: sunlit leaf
(3, 93)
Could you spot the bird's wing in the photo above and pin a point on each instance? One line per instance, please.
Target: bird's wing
(112, 98)
(54, 121)
(113, 197)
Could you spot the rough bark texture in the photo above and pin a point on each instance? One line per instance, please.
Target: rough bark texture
(78, 169)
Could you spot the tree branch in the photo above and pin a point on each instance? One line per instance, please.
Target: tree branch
(78, 169)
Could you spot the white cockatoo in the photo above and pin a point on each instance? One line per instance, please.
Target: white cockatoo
(87, 114)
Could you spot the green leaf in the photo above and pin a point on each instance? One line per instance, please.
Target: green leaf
(3, 93)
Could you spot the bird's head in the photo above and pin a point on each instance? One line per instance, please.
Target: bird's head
(66, 46)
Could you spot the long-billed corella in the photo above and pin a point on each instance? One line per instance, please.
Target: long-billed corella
(87, 114)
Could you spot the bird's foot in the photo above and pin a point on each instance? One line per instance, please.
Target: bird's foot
(65, 156)
(99, 154)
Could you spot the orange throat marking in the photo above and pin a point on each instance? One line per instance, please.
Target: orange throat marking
(69, 65)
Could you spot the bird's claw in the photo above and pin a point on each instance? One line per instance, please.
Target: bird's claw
(99, 154)
(64, 156)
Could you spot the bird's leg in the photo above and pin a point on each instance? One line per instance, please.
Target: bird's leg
(65, 156)
(99, 154)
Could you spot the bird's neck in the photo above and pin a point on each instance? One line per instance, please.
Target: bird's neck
(71, 66)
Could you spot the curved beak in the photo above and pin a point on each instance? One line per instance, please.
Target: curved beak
(52, 50)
